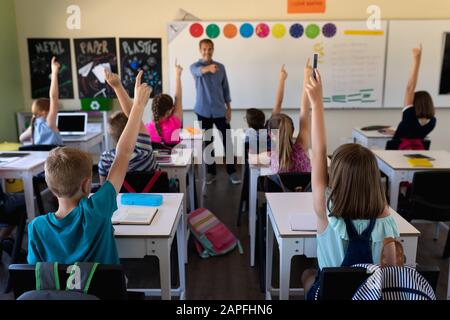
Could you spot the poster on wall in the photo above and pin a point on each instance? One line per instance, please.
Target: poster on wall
(444, 87)
(141, 54)
(93, 56)
(40, 53)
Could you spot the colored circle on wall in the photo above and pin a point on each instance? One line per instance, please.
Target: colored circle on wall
(296, 30)
(278, 30)
(212, 30)
(329, 30)
(230, 31)
(262, 30)
(246, 30)
(312, 31)
(196, 30)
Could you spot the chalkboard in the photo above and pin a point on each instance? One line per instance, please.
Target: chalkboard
(40, 53)
(93, 55)
(141, 54)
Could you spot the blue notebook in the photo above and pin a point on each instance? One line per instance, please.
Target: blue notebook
(141, 199)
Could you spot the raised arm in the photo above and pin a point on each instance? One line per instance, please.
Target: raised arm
(280, 91)
(178, 112)
(412, 82)
(127, 140)
(54, 95)
(319, 174)
(304, 134)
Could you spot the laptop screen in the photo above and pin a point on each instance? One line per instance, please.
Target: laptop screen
(72, 123)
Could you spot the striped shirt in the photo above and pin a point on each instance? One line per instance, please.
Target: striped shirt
(141, 159)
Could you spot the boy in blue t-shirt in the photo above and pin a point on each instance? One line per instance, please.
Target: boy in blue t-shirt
(81, 228)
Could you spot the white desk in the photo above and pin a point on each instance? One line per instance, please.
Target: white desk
(25, 168)
(371, 139)
(137, 241)
(292, 243)
(394, 164)
(85, 142)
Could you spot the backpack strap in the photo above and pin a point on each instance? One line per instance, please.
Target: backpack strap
(152, 181)
(128, 187)
(47, 277)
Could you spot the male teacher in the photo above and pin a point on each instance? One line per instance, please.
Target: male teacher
(212, 105)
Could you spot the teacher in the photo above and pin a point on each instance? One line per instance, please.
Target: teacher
(212, 105)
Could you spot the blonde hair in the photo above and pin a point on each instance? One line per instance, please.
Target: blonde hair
(392, 253)
(39, 105)
(117, 122)
(285, 127)
(355, 184)
(65, 170)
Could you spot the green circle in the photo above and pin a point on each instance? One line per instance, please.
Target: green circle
(212, 31)
(312, 31)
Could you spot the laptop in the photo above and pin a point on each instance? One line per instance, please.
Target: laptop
(72, 123)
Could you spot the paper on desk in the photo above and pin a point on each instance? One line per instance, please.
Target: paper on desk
(303, 221)
(4, 162)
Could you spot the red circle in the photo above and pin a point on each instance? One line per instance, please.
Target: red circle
(196, 30)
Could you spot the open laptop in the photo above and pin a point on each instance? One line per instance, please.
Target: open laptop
(72, 123)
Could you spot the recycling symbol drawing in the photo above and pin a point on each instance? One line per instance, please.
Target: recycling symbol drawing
(95, 105)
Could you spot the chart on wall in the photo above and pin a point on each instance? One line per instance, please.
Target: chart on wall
(93, 56)
(40, 53)
(141, 54)
(351, 59)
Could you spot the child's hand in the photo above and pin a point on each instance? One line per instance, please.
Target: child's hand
(142, 91)
(314, 89)
(417, 52)
(55, 65)
(178, 69)
(112, 78)
(283, 73)
(307, 71)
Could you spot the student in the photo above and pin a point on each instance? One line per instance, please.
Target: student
(167, 115)
(418, 114)
(13, 206)
(290, 156)
(350, 203)
(81, 228)
(142, 158)
(43, 128)
(256, 124)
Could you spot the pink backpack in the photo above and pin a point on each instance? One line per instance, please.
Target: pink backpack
(212, 237)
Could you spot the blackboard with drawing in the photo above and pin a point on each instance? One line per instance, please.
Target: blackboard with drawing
(40, 53)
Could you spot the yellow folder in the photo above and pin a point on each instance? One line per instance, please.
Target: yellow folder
(420, 162)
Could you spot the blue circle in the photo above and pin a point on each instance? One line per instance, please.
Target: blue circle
(296, 30)
(246, 30)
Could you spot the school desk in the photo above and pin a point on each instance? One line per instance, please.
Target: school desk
(280, 206)
(138, 241)
(85, 142)
(371, 139)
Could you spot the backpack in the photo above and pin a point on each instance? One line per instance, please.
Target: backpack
(212, 237)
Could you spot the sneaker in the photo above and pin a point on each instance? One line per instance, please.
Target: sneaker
(210, 178)
(234, 178)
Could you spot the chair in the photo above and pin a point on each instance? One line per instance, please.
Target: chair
(245, 187)
(143, 182)
(394, 144)
(108, 282)
(430, 199)
(341, 283)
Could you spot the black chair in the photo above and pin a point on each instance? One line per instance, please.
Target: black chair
(341, 283)
(430, 199)
(152, 182)
(108, 282)
(394, 144)
(244, 200)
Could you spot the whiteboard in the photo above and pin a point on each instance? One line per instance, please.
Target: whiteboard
(351, 60)
(403, 36)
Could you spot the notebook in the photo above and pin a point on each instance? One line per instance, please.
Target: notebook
(142, 215)
(301, 221)
(418, 156)
(374, 128)
(420, 162)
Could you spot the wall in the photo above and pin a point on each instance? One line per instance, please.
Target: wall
(10, 79)
(47, 18)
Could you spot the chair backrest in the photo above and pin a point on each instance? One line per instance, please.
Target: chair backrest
(432, 187)
(290, 181)
(108, 282)
(161, 146)
(143, 182)
(401, 144)
(38, 147)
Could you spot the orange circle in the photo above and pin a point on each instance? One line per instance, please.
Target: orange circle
(230, 31)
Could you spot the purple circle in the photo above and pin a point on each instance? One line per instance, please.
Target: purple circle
(296, 30)
(329, 30)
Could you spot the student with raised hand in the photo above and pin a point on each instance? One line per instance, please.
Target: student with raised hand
(142, 158)
(286, 155)
(43, 128)
(81, 228)
(353, 217)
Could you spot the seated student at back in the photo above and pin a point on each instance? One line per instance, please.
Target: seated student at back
(142, 158)
(81, 228)
(43, 128)
(256, 134)
(418, 114)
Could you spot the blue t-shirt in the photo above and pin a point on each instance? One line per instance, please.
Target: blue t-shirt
(43, 134)
(85, 234)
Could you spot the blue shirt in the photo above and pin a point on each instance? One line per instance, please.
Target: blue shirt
(85, 234)
(212, 90)
(43, 134)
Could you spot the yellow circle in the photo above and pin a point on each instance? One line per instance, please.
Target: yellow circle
(278, 30)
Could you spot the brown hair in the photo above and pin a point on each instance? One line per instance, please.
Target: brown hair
(65, 170)
(39, 105)
(206, 41)
(423, 105)
(255, 118)
(117, 122)
(285, 127)
(355, 183)
(160, 105)
(392, 256)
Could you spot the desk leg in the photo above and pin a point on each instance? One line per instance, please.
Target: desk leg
(164, 269)
(191, 188)
(254, 173)
(448, 281)
(285, 271)
(181, 257)
(182, 180)
(29, 195)
(394, 187)
(269, 256)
